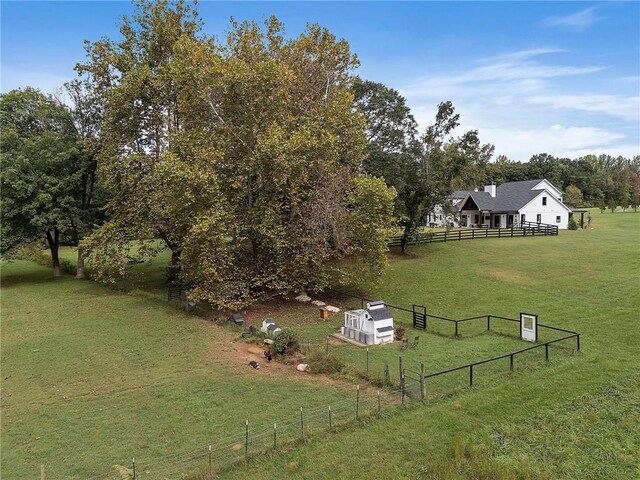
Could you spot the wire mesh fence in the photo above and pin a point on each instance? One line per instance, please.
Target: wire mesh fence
(251, 440)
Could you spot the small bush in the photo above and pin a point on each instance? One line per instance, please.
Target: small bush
(398, 332)
(286, 342)
(573, 225)
(321, 363)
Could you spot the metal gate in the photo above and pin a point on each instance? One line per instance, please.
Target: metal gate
(420, 317)
(413, 383)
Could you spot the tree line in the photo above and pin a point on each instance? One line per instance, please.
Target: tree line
(261, 162)
(591, 181)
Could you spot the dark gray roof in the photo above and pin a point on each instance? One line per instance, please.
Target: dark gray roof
(483, 200)
(460, 193)
(376, 303)
(384, 329)
(510, 196)
(379, 314)
(272, 326)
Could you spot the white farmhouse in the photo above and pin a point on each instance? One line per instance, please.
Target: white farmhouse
(269, 326)
(504, 206)
(371, 326)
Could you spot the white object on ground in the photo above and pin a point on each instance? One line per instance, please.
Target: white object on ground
(319, 303)
(303, 298)
(332, 309)
(303, 367)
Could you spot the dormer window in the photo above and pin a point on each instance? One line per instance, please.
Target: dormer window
(544, 200)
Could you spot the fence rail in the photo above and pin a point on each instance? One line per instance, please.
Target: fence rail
(522, 229)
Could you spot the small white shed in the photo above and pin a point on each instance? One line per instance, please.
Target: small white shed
(269, 326)
(371, 326)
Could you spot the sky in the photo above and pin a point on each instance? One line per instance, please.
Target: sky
(532, 77)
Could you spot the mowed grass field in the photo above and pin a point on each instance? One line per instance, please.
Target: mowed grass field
(92, 377)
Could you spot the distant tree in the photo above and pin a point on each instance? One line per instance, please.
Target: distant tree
(87, 110)
(635, 191)
(573, 196)
(42, 167)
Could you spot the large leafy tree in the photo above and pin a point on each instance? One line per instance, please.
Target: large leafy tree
(244, 156)
(424, 170)
(42, 168)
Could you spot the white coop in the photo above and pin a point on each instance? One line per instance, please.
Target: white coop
(269, 326)
(370, 326)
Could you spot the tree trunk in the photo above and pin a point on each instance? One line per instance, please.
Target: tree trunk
(174, 267)
(405, 237)
(53, 248)
(80, 267)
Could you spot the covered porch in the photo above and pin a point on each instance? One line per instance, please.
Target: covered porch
(581, 212)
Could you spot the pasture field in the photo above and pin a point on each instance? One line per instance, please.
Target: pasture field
(92, 377)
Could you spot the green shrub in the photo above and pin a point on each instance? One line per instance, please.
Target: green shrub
(286, 342)
(573, 225)
(321, 363)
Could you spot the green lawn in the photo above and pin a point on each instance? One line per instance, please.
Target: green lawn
(92, 377)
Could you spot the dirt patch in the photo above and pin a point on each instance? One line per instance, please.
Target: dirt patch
(508, 275)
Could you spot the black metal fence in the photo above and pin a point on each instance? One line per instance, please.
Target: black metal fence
(522, 229)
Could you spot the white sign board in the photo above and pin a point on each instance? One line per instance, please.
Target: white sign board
(529, 327)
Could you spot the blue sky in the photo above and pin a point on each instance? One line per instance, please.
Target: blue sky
(555, 77)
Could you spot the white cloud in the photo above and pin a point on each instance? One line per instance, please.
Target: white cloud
(578, 21)
(524, 105)
(521, 67)
(612, 105)
(559, 140)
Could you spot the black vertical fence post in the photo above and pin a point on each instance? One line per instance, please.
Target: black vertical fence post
(387, 378)
(578, 342)
(367, 361)
(471, 375)
(488, 322)
(246, 440)
(330, 417)
(275, 436)
(133, 461)
(301, 423)
(402, 386)
(357, 400)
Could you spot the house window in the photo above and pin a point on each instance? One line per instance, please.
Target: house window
(544, 200)
(522, 218)
(475, 219)
(463, 221)
(539, 217)
(558, 219)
